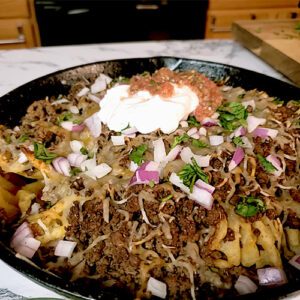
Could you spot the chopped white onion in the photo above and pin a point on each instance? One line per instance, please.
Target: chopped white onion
(94, 98)
(94, 124)
(240, 131)
(271, 276)
(159, 150)
(295, 261)
(83, 92)
(76, 159)
(245, 285)
(246, 143)
(186, 155)
(91, 169)
(202, 131)
(157, 288)
(192, 131)
(62, 165)
(65, 248)
(74, 109)
(118, 140)
(35, 207)
(174, 152)
(68, 125)
(98, 86)
(238, 156)
(195, 136)
(76, 146)
(202, 197)
(216, 140)
(22, 158)
(60, 101)
(129, 131)
(184, 124)
(254, 122)
(133, 166)
(249, 103)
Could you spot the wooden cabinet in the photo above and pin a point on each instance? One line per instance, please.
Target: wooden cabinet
(18, 27)
(222, 13)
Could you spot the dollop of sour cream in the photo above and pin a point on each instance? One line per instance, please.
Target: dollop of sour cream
(144, 111)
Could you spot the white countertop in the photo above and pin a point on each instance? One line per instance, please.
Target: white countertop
(20, 66)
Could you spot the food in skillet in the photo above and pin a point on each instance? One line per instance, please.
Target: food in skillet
(175, 187)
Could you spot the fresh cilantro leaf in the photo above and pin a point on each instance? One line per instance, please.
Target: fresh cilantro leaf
(238, 141)
(190, 173)
(232, 115)
(137, 154)
(249, 206)
(66, 116)
(193, 122)
(165, 199)
(23, 138)
(278, 101)
(266, 164)
(199, 144)
(180, 139)
(84, 151)
(75, 171)
(41, 153)
(151, 183)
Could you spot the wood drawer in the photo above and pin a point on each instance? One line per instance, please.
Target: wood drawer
(14, 9)
(246, 4)
(218, 24)
(16, 33)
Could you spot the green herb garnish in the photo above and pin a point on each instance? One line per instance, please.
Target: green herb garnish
(249, 206)
(137, 154)
(23, 138)
(190, 173)
(165, 199)
(151, 183)
(232, 115)
(241, 96)
(41, 153)
(199, 144)
(84, 151)
(238, 141)
(180, 139)
(266, 164)
(192, 121)
(278, 101)
(66, 116)
(75, 171)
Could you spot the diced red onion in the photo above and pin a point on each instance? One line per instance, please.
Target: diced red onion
(184, 124)
(159, 150)
(118, 140)
(65, 248)
(94, 124)
(216, 140)
(174, 179)
(83, 92)
(76, 159)
(74, 109)
(146, 173)
(202, 131)
(202, 197)
(276, 163)
(186, 154)
(265, 132)
(295, 261)
(205, 186)
(62, 165)
(22, 158)
(78, 127)
(157, 288)
(249, 103)
(23, 241)
(254, 122)
(238, 156)
(192, 131)
(245, 285)
(195, 136)
(271, 276)
(76, 146)
(240, 131)
(129, 131)
(209, 122)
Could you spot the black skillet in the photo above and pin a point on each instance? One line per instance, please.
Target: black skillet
(14, 104)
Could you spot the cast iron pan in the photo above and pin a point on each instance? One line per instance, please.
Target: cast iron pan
(14, 104)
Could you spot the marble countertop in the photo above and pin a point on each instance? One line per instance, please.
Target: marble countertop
(20, 66)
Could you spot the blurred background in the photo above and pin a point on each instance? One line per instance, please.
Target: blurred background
(32, 23)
